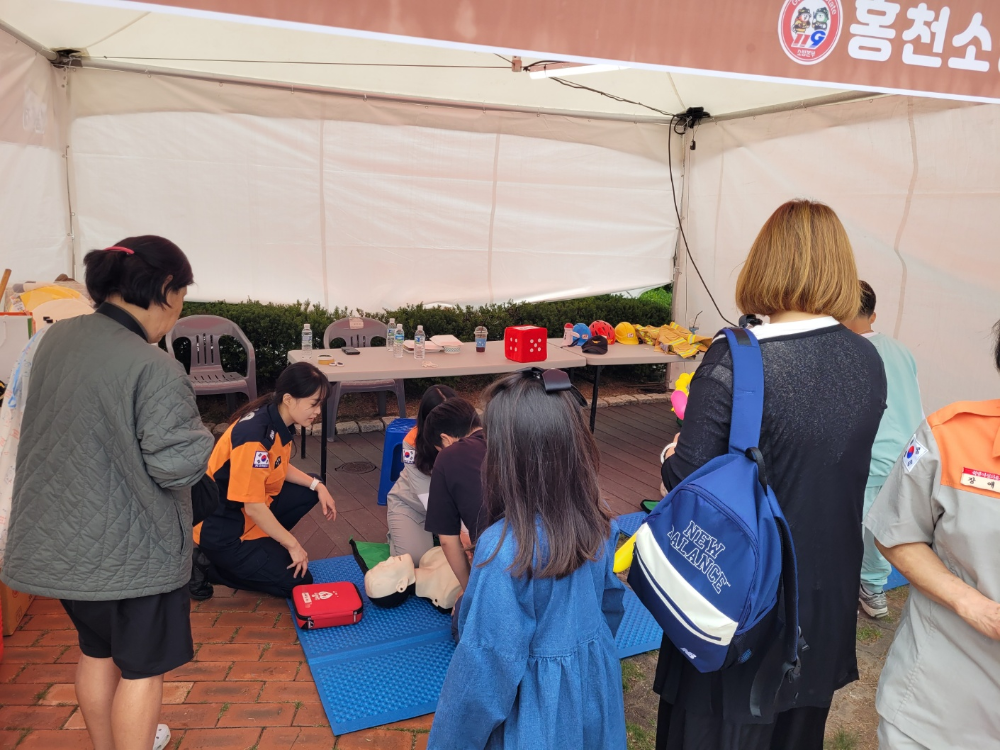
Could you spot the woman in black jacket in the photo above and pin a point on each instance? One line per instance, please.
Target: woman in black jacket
(824, 393)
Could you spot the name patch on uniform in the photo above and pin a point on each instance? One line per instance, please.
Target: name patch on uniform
(914, 452)
(261, 460)
(277, 462)
(981, 480)
(409, 455)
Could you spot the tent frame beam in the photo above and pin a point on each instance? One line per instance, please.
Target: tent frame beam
(97, 64)
(41, 49)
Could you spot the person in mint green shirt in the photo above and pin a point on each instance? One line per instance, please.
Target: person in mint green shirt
(902, 416)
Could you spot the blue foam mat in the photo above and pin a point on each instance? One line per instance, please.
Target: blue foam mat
(630, 522)
(391, 665)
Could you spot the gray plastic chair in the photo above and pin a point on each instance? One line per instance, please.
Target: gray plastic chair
(359, 338)
(207, 375)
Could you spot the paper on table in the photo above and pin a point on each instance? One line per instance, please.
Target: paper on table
(423, 498)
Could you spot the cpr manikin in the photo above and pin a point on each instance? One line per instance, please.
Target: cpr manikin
(436, 581)
(392, 581)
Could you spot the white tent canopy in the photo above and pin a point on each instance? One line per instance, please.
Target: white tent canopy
(376, 182)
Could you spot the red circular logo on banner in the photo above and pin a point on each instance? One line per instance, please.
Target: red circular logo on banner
(809, 29)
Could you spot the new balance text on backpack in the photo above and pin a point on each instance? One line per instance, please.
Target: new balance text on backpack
(715, 557)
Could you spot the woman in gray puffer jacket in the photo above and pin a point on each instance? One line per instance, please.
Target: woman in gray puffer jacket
(111, 442)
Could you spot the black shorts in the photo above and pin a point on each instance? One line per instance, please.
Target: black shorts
(146, 636)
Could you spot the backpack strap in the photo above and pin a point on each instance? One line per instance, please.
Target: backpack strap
(748, 390)
(781, 662)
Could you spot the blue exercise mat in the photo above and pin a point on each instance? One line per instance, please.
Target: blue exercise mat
(391, 665)
(630, 522)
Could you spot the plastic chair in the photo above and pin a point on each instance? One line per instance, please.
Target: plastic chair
(206, 374)
(359, 338)
(392, 455)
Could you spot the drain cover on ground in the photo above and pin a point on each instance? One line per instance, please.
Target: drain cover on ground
(356, 467)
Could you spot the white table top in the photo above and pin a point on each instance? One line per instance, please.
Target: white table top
(377, 363)
(625, 354)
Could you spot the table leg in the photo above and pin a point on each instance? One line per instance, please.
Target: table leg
(593, 400)
(323, 446)
(303, 450)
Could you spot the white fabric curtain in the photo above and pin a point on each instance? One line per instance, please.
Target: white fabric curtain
(281, 196)
(34, 216)
(916, 183)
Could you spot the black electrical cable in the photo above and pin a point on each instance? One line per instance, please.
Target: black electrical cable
(575, 85)
(680, 224)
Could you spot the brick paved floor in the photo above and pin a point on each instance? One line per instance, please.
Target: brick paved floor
(248, 686)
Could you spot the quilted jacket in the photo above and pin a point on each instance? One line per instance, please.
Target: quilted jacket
(111, 442)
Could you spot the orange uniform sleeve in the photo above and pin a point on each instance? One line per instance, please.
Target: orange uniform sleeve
(249, 468)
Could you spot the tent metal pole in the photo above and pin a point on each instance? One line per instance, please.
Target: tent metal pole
(41, 49)
(98, 64)
(821, 101)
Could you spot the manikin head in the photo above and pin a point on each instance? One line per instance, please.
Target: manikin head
(390, 583)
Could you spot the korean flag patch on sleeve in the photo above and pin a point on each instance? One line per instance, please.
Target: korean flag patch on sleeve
(913, 453)
(409, 455)
(261, 460)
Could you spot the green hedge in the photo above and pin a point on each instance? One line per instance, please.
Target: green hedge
(275, 329)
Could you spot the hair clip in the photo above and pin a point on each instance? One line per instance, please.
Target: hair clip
(554, 381)
(120, 249)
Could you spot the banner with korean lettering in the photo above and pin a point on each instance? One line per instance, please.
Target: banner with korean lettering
(943, 48)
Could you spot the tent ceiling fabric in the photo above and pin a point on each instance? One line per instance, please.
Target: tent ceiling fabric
(126, 35)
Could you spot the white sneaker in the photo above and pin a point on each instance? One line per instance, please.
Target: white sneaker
(162, 737)
(874, 604)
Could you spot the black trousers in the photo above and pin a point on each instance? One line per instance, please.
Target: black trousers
(795, 729)
(262, 564)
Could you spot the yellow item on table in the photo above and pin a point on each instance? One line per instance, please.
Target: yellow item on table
(35, 297)
(648, 334)
(624, 555)
(679, 340)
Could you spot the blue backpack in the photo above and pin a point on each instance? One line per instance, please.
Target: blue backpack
(714, 555)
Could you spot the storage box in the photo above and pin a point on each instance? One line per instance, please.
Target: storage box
(13, 606)
(526, 343)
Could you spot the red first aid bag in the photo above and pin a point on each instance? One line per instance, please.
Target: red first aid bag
(323, 605)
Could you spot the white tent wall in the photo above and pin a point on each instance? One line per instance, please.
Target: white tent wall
(916, 183)
(34, 215)
(282, 196)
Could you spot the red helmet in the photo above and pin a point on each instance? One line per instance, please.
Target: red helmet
(600, 328)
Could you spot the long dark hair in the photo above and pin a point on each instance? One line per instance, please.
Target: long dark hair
(300, 380)
(542, 463)
(142, 277)
(426, 453)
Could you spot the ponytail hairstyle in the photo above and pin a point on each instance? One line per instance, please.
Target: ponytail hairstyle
(541, 469)
(141, 269)
(426, 453)
(300, 380)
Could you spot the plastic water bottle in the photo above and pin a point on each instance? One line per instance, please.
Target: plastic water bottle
(397, 343)
(481, 339)
(568, 335)
(307, 338)
(419, 347)
(390, 335)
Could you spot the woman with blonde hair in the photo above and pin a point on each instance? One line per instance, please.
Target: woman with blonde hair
(824, 393)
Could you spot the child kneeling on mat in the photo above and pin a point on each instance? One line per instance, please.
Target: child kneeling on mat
(536, 666)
